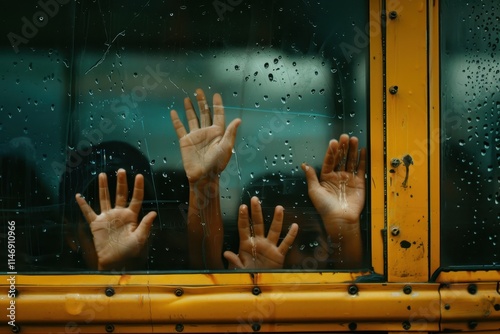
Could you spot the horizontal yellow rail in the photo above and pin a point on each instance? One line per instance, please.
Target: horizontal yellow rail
(242, 302)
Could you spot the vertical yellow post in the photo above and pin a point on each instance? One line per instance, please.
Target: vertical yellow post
(376, 138)
(407, 141)
(435, 135)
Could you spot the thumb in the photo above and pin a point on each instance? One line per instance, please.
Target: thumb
(145, 226)
(311, 177)
(230, 134)
(234, 260)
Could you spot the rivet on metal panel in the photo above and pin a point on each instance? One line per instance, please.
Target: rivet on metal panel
(15, 329)
(395, 230)
(393, 15)
(407, 289)
(447, 306)
(395, 162)
(472, 324)
(406, 325)
(393, 90)
(353, 289)
(110, 328)
(179, 327)
(472, 289)
(256, 290)
(179, 292)
(353, 326)
(256, 327)
(109, 292)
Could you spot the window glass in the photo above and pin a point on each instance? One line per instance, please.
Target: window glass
(88, 87)
(470, 108)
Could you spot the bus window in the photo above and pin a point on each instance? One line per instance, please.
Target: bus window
(98, 98)
(470, 111)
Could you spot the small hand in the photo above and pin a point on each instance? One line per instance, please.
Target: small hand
(207, 148)
(118, 238)
(257, 251)
(339, 195)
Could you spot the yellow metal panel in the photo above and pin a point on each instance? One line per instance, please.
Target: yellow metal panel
(435, 136)
(470, 306)
(232, 306)
(377, 140)
(407, 189)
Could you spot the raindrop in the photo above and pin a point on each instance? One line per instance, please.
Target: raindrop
(271, 77)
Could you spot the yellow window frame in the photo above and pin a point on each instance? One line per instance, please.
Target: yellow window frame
(413, 294)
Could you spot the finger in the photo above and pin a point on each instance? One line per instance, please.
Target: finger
(218, 107)
(121, 188)
(87, 211)
(243, 224)
(205, 119)
(275, 230)
(289, 239)
(341, 155)
(257, 218)
(104, 193)
(362, 163)
(229, 137)
(311, 177)
(352, 155)
(178, 126)
(329, 161)
(138, 195)
(234, 260)
(144, 227)
(191, 115)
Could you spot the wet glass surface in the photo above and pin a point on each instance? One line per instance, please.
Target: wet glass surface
(470, 116)
(88, 87)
